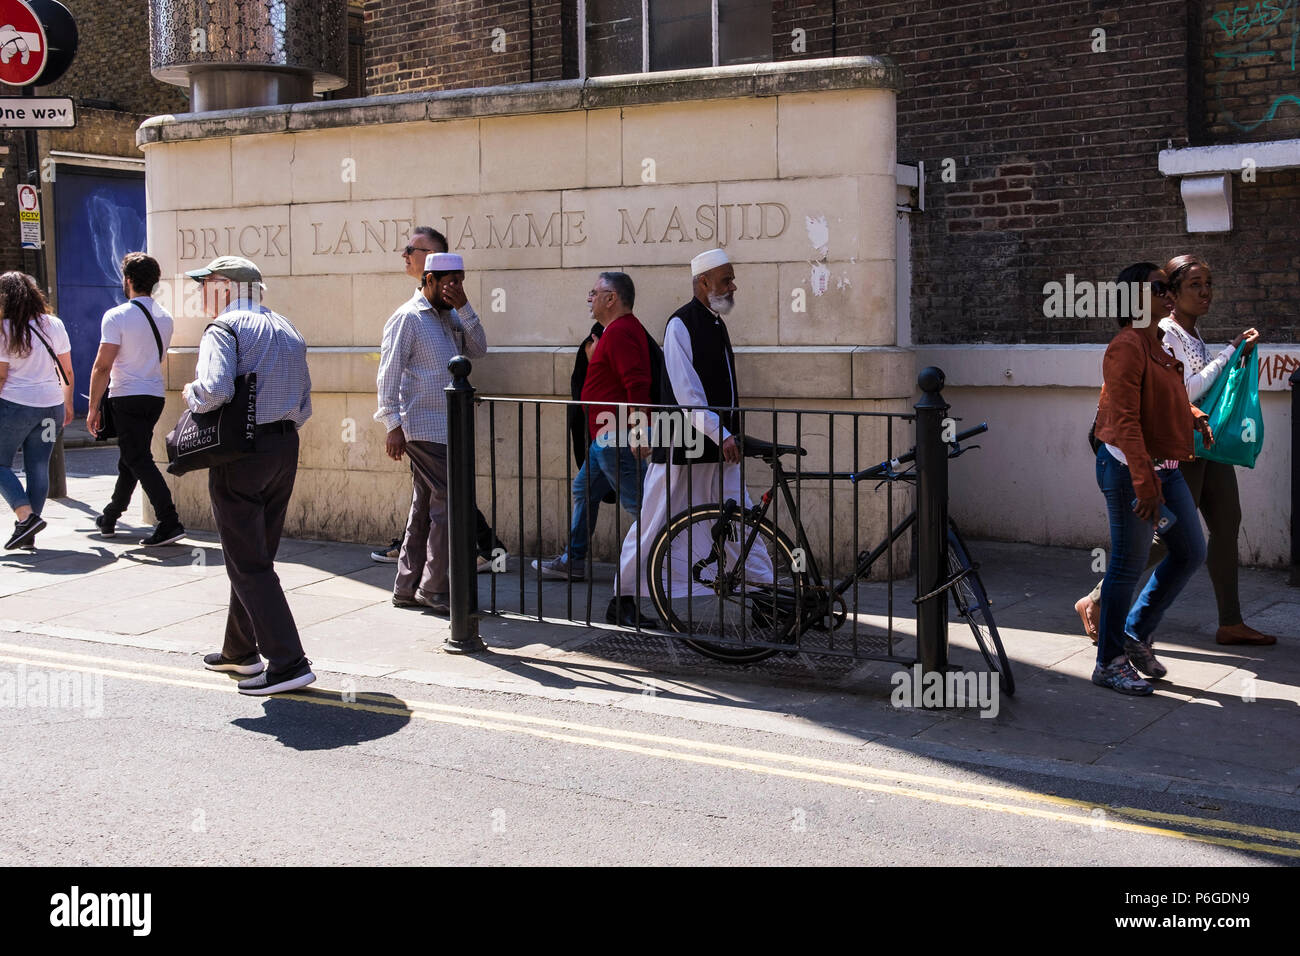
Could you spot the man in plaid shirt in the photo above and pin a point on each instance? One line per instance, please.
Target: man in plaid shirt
(420, 338)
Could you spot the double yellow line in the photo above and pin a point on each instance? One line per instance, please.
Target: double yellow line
(957, 793)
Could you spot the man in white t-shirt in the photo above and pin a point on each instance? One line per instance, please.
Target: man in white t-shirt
(133, 340)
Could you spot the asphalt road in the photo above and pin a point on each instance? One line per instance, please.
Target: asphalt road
(161, 762)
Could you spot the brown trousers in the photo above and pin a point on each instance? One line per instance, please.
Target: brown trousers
(423, 559)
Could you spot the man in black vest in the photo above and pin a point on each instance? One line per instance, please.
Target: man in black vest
(701, 368)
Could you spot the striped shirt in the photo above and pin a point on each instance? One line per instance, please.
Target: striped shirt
(419, 341)
(269, 345)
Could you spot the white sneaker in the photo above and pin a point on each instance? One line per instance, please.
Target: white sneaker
(560, 569)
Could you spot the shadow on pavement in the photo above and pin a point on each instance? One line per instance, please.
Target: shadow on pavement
(328, 722)
(84, 559)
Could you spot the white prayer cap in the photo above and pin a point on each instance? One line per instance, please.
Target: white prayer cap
(443, 262)
(708, 260)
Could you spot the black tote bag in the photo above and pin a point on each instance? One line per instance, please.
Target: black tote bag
(205, 439)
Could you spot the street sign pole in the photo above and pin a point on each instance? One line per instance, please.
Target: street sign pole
(58, 472)
(38, 40)
(32, 149)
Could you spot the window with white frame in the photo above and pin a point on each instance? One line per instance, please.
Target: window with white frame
(641, 36)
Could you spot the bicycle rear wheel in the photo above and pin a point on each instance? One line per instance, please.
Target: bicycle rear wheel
(697, 588)
(973, 604)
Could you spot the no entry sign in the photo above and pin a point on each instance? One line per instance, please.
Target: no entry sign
(23, 47)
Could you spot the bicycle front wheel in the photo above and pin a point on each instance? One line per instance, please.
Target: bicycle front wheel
(697, 585)
(973, 604)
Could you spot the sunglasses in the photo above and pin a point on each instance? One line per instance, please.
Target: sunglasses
(410, 249)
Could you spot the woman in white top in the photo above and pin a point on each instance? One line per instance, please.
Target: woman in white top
(35, 396)
(1213, 484)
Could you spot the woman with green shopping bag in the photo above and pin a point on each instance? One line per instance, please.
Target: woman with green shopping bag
(1213, 484)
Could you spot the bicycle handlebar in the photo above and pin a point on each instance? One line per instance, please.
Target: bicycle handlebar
(886, 468)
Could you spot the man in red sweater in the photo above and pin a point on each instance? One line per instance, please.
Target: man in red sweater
(618, 374)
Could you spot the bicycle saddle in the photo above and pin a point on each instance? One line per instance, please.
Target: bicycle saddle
(757, 448)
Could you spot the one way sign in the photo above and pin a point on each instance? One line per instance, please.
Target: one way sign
(37, 112)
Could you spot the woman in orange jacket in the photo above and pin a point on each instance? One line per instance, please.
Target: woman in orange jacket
(1144, 424)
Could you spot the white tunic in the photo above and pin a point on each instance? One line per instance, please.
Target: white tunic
(690, 485)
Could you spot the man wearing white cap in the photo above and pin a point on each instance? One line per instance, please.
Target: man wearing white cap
(420, 338)
(701, 369)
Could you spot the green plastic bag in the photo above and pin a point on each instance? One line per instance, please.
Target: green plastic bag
(1236, 418)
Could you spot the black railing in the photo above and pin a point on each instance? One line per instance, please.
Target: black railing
(808, 585)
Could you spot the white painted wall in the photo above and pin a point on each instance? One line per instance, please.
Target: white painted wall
(1034, 477)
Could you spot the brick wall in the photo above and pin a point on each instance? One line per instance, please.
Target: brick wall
(1251, 70)
(1054, 151)
(813, 18)
(415, 45)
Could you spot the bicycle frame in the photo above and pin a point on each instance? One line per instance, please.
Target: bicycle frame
(865, 560)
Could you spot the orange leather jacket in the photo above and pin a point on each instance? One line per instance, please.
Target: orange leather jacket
(1144, 411)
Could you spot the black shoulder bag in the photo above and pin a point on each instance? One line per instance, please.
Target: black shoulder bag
(207, 439)
(63, 378)
(107, 427)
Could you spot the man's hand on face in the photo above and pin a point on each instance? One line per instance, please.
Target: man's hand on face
(731, 450)
(452, 289)
(395, 443)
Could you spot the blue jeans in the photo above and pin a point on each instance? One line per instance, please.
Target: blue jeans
(606, 468)
(22, 426)
(1130, 543)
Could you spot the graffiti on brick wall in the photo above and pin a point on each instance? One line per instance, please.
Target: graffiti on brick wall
(1276, 369)
(1245, 36)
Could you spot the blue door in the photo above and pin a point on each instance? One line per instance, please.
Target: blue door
(98, 219)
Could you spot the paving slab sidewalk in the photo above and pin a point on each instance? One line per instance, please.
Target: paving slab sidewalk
(1223, 722)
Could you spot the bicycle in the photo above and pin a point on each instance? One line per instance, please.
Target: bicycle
(704, 579)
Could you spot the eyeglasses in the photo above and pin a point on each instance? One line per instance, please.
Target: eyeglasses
(409, 249)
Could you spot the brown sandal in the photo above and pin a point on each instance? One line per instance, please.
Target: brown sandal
(1084, 607)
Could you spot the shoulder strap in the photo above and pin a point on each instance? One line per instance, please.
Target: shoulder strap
(156, 337)
(58, 366)
(229, 330)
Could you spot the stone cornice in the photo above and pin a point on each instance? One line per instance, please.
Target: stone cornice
(634, 89)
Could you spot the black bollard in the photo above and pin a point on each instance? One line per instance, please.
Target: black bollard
(461, 512)
(931, 523)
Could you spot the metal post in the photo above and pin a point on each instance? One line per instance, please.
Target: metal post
(32, 158)
(931, 523)
(58, 473)
(461, 512)
(1294, 580)
(31, 147)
